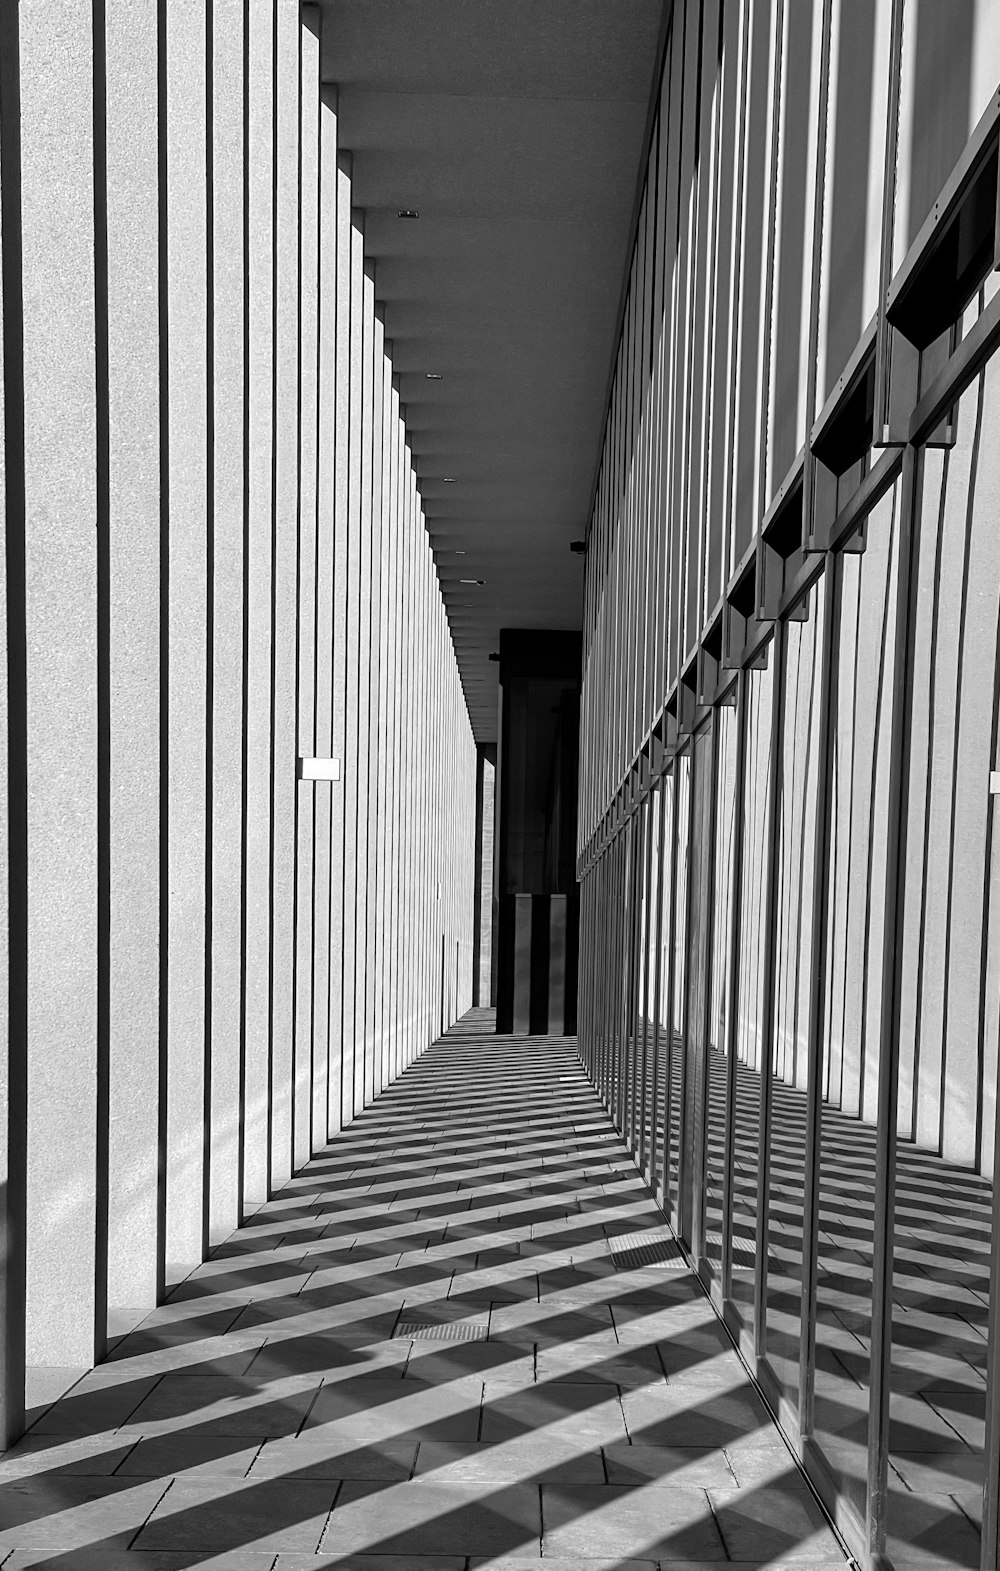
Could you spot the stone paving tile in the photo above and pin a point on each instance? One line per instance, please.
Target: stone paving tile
(165, 1456)
(590, 1410)
(336, 1458)
(773, 1523)
(222, 1405)
(214, 1515)
(611, 1519)
(540, 1458)
(379, 1409)
(644, 1465)
(111, 1559)
(494, 1361)
(351, 1562)
(104, 1407)
(140, 1354)
(635, 1368)
(557, 1563)
(427, 1517)
(49, 1456)
(267, 1416)
(74, 1512)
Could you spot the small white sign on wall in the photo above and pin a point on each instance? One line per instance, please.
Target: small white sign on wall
(319, 768)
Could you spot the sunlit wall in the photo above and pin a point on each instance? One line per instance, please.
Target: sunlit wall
(217, 572)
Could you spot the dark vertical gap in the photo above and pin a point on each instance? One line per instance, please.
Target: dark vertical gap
(918, 989)
(477, 878)
(103, 652)
(13, 1212)
(572, 960)
(873, 789)
(206, 1134)
(803, 840)
(849, 849)
(956, 740)
(241, 1096)
(163, 322)
(538, 981)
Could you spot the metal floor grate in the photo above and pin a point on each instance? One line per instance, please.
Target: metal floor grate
(744, 1251)
(442, 1330)
(631, 1251)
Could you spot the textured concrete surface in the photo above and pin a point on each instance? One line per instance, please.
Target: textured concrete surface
(60, 599)
(542, 1407)
(134, 561)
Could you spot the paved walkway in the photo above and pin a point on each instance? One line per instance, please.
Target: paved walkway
(422, 1356)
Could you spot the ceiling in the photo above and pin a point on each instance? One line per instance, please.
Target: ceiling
(515, 128)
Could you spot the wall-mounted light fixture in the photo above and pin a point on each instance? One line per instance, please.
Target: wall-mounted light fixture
(319, 768)
(407, 212)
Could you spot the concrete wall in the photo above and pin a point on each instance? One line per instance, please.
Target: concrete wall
(216, 567)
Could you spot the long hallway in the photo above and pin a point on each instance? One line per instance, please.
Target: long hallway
(438, 1348)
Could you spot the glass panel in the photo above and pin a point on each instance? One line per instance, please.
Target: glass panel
(861, 719)
(695, 1055)
(678, 963)
(647, 1000)
(633, 864)
(948, 1050)
(621, 969)
(749, 1040)
(720, 917)
(794, 956)
(640, 866)
(664, 996)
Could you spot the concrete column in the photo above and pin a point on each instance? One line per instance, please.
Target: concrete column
(285, 547)
(260, 428)
(226, 588)
(308, 792)
(64, 1311)
(186, 287)
(362, 799)
(324, 958)
(388, 720)
(134, 524)
(396, 772)
(13, 783)
(352, 515)
(341, 397)
(373, 726)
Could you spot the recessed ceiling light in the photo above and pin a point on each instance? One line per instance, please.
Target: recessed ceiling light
(449, 479)
(460, 553)
(407, 212)
(433, 376)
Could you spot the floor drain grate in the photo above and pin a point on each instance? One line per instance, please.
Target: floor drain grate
(629, 1251)
(442, 1330)
(744, 1251)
